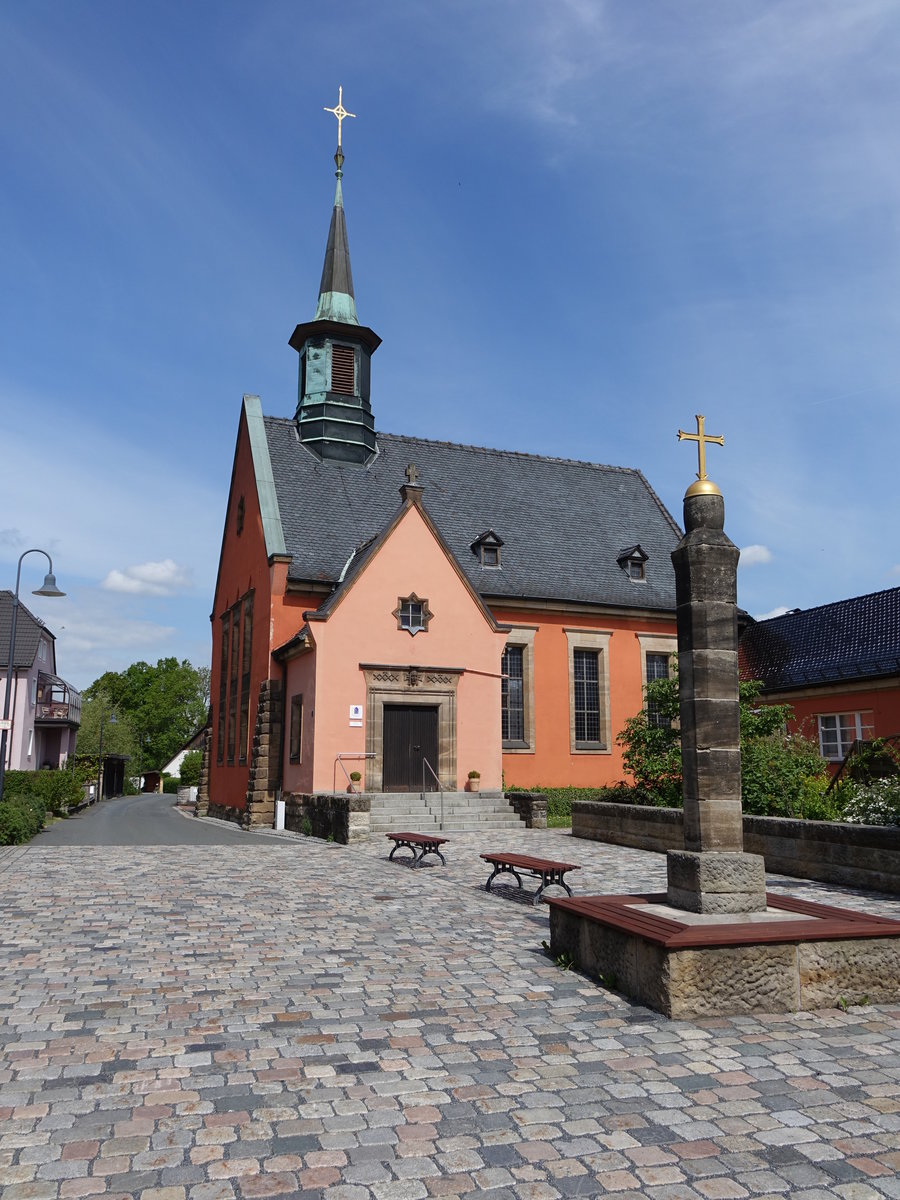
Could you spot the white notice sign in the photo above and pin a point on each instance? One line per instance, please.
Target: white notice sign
(356, 716)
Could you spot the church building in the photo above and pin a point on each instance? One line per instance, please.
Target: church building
(418, 611)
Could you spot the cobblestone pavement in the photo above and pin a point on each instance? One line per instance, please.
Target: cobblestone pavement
(236, 1021)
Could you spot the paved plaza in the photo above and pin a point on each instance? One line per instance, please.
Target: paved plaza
(283, 1017)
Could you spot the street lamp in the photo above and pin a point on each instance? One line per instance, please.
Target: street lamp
(47, 588)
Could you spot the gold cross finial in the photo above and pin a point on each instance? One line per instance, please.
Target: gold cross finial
(411, 473)
(701, 437)
(340, 112)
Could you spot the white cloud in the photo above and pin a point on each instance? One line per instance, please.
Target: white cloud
(776, 612)
(752, 556)
(149, 579)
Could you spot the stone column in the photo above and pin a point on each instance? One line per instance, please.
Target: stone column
(712, 874)
(202, 808)
(265, 757)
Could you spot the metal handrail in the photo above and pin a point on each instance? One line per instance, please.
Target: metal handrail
(339, 763)
(426, 763)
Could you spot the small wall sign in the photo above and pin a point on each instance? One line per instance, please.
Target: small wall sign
(356, 716)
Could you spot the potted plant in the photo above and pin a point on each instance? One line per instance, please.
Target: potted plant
(474, 781)
(355, 777)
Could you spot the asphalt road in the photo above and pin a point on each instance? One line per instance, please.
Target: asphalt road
(148, 820)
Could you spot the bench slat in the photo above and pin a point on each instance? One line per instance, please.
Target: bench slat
(528, 862)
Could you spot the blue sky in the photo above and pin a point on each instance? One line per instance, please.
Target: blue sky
(575, 225)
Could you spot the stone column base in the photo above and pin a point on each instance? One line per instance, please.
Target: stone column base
(715, 881)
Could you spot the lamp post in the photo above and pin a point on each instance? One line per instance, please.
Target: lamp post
(47, 588)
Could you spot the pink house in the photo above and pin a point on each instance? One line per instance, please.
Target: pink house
(45, 710)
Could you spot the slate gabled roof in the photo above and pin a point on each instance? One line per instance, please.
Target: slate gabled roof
(562, 522)
(28, 633)
(849, 640)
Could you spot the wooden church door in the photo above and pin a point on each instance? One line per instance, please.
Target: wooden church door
(410, 736)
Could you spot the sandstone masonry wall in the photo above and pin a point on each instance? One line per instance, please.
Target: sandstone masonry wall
(863, 856)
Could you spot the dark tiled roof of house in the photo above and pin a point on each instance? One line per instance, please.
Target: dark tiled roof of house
(28, 633)
(847, 640)
(562, 522)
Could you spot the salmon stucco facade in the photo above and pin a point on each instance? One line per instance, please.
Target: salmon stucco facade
(424, 614)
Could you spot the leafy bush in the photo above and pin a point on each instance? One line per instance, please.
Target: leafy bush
(783, 776)
(190, 768)
(21, 817)
(171, 786)
(58, 791)
(877, 803)
(652, 752)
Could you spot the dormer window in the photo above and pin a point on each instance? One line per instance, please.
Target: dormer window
(239, 517)
(412, 614)
(487, 548)
(633, 561)
(343, 370)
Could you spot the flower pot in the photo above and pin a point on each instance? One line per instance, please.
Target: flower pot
(472, 785)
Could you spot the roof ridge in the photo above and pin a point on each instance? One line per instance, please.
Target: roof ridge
(574, 462)
(802, 612)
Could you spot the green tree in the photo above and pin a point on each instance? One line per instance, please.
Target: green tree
(190, 768)
(118, 734)
(781, 774)
(163, 704)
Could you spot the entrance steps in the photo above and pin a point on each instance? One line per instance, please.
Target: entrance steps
(421, 811)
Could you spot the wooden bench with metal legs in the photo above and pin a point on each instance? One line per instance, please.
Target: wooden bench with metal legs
(420, 844)
(550, 873)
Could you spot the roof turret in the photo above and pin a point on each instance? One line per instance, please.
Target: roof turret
(334, 417)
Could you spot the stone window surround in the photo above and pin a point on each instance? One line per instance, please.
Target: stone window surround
(426, 613)
(597, 640)
(392, 683)
(654, 643)
(523, 635)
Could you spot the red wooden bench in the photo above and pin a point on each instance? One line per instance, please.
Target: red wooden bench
(420, 844)
(550, 873)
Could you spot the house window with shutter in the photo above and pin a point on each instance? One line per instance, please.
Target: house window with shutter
(343, 370)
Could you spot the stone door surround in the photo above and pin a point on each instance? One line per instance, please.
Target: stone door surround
(394, 683)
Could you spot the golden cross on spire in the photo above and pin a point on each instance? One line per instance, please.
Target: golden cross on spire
(340, 112)
(701, 438)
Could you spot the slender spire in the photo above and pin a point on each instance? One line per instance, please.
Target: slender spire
(336, 300)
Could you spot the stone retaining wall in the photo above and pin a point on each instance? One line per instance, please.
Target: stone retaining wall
(531, 807)
(343, 818)
(863, 856)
